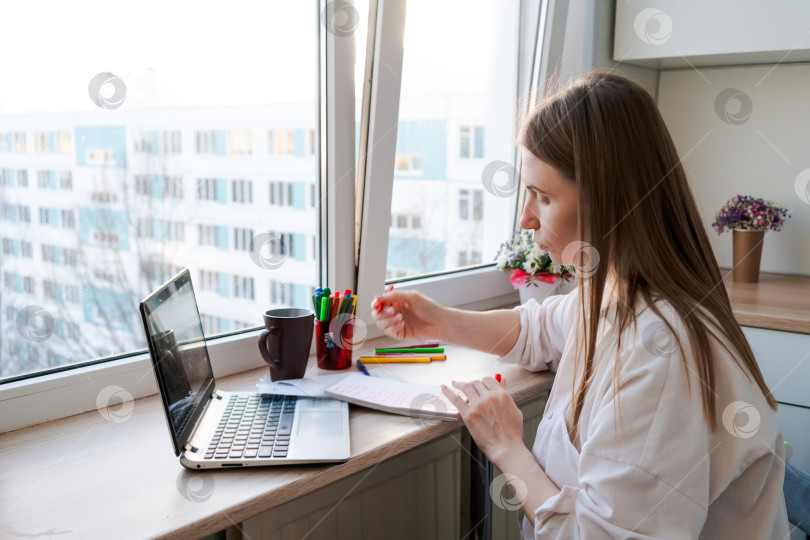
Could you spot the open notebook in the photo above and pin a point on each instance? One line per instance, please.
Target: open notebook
(399, 397)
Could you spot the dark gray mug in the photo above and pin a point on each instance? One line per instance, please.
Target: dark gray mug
(285, 341)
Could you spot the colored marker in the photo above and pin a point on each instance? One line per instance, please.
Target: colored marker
(417, 350)
(409, 348)
(401, 359)
(334, 306)
(324, 309)
(498, 377)
(346, 304)
(363, 368)
(388, 290)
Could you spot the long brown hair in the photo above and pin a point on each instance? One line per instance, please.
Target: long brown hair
(636, 210)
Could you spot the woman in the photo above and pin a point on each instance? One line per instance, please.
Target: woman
(659, 423)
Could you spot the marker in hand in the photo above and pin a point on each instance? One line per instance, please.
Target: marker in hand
(388, 290)
(498, 377)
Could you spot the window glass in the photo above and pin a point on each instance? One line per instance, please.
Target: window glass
(455, 189)
(129, 151)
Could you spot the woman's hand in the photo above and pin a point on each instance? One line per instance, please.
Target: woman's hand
(491, 416)
(408, 315)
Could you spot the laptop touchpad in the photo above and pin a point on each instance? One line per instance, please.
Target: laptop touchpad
(320, 424)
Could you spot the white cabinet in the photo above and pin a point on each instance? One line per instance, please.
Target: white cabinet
(417, 494)
(660, 34)
(784, 359)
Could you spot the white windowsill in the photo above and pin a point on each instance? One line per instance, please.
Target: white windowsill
(57, 395)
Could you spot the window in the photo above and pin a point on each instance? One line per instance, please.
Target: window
(143, 185)
(470, 205)
(41, 141)
(280, 293)
(241, 191)
(172, 142)
(174, 231)
(22, 178)
(48, 253)
(25, 214)
(26, 250)
(205, 142)
(49, 289)
(471, 142)
(469, 257)
(145, 228)
(43, 179)
(242, 239)
(28, 285)
(63, 145)
(100, 156)
(45, 216)
(173, 187)
(68, 219)
(104, 197)
(206, 189)
(66, 180)
(406, 222)
(203, 107)
(72, 294)
(213, 235)
(19, 141)
(8, 247)
(143, 142)
(71, 257)
(243, 287)
(6, 177)
(241, 141)
(281, 193)
(406, 164)
(441, 152)
(281, 142)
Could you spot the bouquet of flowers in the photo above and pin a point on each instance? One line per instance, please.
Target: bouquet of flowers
(750, 214)
(528, 263)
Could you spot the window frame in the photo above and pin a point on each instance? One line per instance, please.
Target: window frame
(73, 389)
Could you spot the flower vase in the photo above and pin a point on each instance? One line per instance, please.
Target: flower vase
(539, 291)
(747, 253)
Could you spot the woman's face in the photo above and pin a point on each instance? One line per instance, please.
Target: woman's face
(551, 208)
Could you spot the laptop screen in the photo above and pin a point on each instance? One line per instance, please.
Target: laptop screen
(180, 358)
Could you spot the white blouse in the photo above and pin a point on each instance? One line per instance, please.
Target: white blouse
(656, 471)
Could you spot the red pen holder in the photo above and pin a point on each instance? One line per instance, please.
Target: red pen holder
(333, 342)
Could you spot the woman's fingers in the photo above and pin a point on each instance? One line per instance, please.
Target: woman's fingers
(460, 403)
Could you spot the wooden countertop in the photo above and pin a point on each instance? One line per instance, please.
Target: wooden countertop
(776, 302)
(87, 477)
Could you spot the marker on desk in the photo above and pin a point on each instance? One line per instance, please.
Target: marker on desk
(433, 350)
(363, 368)
(407, 348)
(402, 359)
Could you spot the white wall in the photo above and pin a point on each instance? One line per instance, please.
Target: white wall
(760, 156)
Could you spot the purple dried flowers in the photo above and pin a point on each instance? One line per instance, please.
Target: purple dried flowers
(750, 214)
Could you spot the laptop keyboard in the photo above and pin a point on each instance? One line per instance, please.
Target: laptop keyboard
(254, 426)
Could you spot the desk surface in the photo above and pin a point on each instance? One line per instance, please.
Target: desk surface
(777, 302)
(87, 477)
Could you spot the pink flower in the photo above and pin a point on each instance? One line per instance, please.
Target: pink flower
(518, 278)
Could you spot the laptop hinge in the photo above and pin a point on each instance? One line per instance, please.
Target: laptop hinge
(216, 395)
(190, 447)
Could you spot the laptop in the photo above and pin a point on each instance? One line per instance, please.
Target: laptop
(211, 428)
